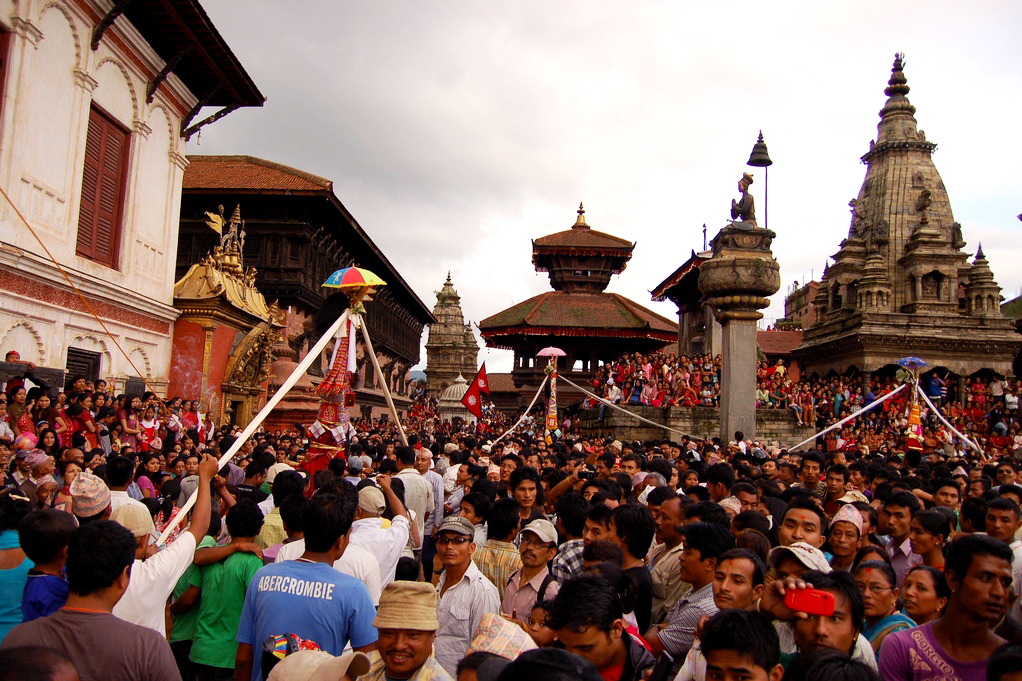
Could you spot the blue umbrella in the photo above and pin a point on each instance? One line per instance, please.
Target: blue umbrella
(912, 363)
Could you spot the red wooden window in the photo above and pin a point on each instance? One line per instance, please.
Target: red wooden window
(103, 181)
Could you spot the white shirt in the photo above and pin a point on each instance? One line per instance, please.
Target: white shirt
(385, 545)
(356, 562)
(152, 581)
(450, 478)
(436, 511)
(266, 505)
(459, 612)
(120, 498)
(418, 498)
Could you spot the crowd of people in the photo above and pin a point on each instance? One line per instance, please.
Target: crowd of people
(458, 555)
(986, 411)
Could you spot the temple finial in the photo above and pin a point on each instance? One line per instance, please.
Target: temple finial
(448, 276)
(581, 220)
(979, 252)
(898, 84)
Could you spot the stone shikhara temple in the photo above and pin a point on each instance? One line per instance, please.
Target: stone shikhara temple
(901, 283)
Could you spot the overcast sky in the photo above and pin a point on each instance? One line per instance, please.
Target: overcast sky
(456, 131)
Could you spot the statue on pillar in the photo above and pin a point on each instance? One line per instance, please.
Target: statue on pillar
(743, 211)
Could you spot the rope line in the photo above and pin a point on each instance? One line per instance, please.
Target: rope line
(526, 414)
(849, 418)
(81, 296)
(633, 414)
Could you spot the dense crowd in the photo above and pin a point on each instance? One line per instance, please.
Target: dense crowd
(461, 556)
(986, 411)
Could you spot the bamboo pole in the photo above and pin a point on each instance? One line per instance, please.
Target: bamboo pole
(312, 355)
(383, 379)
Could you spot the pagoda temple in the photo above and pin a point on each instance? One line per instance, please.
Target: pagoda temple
(592, 326)
(901, 282)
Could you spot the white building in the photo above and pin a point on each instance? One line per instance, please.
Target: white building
(96, 101)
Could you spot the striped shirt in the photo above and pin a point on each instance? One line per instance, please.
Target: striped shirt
(679, 634)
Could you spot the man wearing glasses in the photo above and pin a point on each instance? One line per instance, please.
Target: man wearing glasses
(465, 594)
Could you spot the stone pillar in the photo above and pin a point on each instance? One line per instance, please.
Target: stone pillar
(736, 283)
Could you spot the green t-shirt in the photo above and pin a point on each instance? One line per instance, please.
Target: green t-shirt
(223, 587)
(184, 624)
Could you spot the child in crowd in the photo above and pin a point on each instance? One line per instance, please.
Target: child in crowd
(44, 535)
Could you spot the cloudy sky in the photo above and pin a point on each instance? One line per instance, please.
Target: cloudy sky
(455, 131)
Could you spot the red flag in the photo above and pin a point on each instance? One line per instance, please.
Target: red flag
(480, 384)
(471, 400)
(480, 381)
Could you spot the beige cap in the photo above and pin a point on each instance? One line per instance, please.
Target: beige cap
(407, 605)
(306, 665)
(371, 501)
(450, 448)
(542, 528)
(135, 518)
(271, 474)
(810, 556)
(853, 495)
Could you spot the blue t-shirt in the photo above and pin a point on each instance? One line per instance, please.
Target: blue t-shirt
(312, 600)
(44, 595)
(12, 585)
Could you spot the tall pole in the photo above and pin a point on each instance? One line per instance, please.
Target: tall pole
(766, 197)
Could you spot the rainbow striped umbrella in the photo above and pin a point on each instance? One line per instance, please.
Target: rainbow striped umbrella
(353, 277)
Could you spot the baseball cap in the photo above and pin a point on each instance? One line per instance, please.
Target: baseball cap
(809, 556)
(853, 495)
(355, 464)
(371, 501)
(455, 523)
(542, 528)
(307, 665)
(276, 468)
(135, 518)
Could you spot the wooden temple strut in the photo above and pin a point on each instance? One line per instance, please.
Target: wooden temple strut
(108, 21)
(187, 134)
(164, 72)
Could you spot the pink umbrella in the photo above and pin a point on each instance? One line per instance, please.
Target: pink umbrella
(551, 351)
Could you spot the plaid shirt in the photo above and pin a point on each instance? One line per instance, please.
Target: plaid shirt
(497, 560)
(568, 561)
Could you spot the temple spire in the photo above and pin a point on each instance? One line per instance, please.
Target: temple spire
(580, 221)
(898, 84)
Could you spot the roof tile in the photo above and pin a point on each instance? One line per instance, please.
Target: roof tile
(249, 172)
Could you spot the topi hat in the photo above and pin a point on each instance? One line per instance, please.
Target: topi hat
(89, 495)
(309, 665)
(36, 457)
(407, 605)
(371, 501)
(848, 514)
(135, 518)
